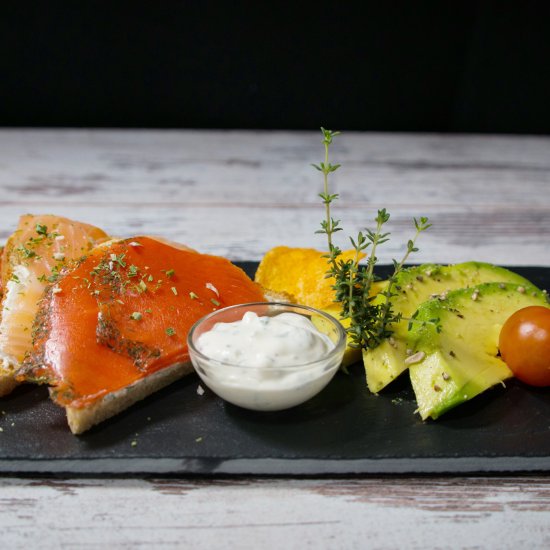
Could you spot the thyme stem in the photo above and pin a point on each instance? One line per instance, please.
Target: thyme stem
(327, 203)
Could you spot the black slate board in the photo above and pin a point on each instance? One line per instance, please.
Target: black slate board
(343, 430)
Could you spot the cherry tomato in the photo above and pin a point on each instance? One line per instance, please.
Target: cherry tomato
(524, 344)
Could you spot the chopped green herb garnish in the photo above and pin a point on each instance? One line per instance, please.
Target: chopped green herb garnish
(193, 296)
(141, 286)
(215, 302)
(136, 316)
(170, 331)
(42, 229)
(175, 290)
(133, 271)
(170, 272)
(119, 259)
(26, 252)
(150, 278)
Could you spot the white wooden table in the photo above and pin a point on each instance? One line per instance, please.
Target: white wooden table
(237, 194)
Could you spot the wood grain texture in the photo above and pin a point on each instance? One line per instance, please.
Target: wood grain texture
(240, 193)
(362, 513)
(237, 194)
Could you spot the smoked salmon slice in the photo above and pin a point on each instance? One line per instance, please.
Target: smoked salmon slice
(120, 317)
(34, 256)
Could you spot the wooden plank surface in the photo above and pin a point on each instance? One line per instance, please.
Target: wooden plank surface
(293, 514)
(237, 194)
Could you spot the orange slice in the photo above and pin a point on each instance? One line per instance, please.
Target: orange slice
(300, 273)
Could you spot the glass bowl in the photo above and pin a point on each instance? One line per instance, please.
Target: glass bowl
(268, 388)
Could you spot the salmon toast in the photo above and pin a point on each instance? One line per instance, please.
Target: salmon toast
(34, 256)
(113, 329)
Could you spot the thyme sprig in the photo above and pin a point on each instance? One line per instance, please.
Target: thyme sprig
(329, 225)
(370, 319)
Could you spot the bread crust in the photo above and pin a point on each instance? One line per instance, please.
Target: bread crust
(82, 419)
(7, 383)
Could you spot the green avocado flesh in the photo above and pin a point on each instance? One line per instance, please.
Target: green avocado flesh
(414, 286)
(461, 360)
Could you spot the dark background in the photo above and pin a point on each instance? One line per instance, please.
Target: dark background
(443, 66)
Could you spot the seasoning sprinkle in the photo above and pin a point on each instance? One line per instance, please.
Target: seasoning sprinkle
(416, 358)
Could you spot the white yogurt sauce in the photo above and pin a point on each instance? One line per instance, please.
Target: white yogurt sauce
(282, 340)
(259, 353)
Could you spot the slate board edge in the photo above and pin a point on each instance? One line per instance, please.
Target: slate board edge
(276, 467)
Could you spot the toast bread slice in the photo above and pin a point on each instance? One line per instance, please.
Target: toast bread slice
(82, 419)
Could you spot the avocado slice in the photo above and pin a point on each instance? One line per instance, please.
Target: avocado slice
(461, 360)
(413, 286)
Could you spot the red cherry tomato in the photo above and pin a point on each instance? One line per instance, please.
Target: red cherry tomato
(524, 344)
